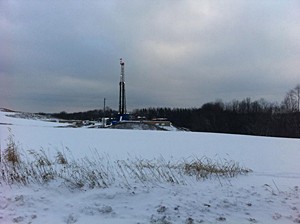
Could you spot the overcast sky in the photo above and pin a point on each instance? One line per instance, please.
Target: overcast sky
(64, 55)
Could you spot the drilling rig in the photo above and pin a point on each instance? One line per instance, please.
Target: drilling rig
(122, 97)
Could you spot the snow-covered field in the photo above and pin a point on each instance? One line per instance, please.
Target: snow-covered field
(270, 194)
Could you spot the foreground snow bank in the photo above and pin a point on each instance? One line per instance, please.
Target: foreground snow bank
(244, 200)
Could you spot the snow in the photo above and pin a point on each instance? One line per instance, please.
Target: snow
(270, 194)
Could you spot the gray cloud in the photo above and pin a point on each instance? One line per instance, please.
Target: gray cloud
(64, 55)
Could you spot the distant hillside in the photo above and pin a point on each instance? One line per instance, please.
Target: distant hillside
(6, 110)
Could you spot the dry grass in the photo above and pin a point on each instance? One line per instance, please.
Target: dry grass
(11, 153)
(205, 167)
(101, 172)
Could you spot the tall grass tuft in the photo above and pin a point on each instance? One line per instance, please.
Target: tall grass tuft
(205, 167)
(11, 153)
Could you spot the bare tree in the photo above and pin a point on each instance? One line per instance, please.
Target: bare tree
(297, 93)
(291, 102)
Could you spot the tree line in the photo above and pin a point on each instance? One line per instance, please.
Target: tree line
(258, 117)
(92, 115)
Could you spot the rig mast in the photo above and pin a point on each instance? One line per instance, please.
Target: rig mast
(122, 97)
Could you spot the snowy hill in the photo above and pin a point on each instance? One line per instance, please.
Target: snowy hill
(270, 194)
